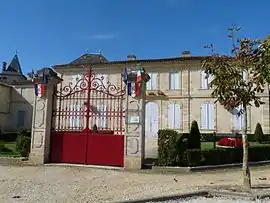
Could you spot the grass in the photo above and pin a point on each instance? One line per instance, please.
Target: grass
(210, 145)
(9, 149)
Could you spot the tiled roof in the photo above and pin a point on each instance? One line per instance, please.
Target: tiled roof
(89, 59)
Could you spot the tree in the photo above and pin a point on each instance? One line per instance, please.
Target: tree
(259, 133)
(194, 138)
(238, 80)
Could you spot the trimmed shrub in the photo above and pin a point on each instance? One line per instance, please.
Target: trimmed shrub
(194, 138)
(23, 145)
(171, 148)
(222, 156)
(259, 133)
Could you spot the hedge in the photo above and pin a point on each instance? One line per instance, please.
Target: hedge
(221, 156)
(171, 148)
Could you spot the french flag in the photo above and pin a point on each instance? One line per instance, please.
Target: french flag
(40, 90)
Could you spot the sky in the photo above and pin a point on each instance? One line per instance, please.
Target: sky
(46, 33)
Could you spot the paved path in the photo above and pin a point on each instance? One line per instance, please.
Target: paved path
(79, 184)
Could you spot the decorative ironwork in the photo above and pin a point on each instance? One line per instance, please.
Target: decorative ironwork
(90, 80)
(90, 102)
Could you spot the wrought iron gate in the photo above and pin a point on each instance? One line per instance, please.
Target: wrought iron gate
(88, 121)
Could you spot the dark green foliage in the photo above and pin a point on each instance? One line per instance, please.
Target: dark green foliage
(2, 146)
(23, 143)
(259, 133)
(226, 156)
(194, 138)
(171, 148)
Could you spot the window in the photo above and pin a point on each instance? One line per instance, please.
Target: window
(237, 119)
(75, 80)
(205, 80)
(74, 121)
(20, 119)
(103, 79)
(207, 116)
(174, 79)
(102, 119)
(23, 92)
(174, 116)
(152, 83)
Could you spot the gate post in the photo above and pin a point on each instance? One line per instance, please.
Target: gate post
(44, 81)
(135, 125)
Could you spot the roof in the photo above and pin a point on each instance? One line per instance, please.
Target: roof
(161, 60)
(14, 65)
(89, 59)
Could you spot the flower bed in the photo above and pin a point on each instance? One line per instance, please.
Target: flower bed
(230, 142)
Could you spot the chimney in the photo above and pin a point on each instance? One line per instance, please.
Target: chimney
(131, 58)
(4, 66)
(186, 54)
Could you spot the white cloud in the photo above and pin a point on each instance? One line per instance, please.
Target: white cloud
(103, 36)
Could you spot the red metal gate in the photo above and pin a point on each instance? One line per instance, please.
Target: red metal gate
(88, 122)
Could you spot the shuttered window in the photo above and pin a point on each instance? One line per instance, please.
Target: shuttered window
(75, 80)
(102, 118)
(152, 84)
(205, 80)
(174, 79)
(74, 121)
(237, 119)
(174, 116)
(207, 117)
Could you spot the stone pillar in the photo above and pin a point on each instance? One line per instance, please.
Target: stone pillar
(135, 130)
(41, 125)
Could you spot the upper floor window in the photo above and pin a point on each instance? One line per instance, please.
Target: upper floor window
(174, 79)
(75, 80)
(23, 92)
(174, 116)
(152, 84)
(207, 116)
(205, 80)
(237, 119)
(21, 118)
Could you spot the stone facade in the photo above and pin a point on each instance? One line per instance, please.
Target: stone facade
(189, 97)
(16, 106)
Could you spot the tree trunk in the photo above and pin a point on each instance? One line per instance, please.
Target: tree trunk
(246, 171)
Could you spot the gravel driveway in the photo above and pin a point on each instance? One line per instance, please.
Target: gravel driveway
(81, 184)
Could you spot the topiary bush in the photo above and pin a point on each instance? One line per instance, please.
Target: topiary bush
(171, 148)
(194, 138)
(23, 143)
(260, 137)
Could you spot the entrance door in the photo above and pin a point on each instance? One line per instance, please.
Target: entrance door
(151, 129)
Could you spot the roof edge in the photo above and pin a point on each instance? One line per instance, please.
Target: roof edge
(175, 59)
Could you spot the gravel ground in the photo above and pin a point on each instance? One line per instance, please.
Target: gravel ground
(215, 200)
(80, 184)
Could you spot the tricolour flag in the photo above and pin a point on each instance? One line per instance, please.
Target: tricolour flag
(139, 74)
(125, 76)
(40, 90)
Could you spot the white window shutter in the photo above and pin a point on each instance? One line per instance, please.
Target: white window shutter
(176, 81)
(172, 81)
(77, 119)
(177, 116)
(148, 117)
(245, 75)
(171, 119)
(210, 79)
(211, 118)
(204, 117)
(154, 81)
(104, 117)
(148, 84)
(204, 83)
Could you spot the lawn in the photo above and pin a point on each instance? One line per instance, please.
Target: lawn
(9, 149)
(210, 145)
